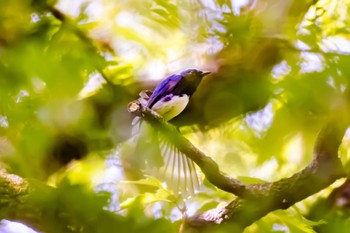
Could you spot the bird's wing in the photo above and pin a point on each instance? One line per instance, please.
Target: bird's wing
(156, 155)
(164, 88)
(178, 171)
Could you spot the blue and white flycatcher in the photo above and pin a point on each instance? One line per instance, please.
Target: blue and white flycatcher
(157, 155)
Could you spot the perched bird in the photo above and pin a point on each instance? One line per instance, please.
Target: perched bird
(162, 158)
(172, 95)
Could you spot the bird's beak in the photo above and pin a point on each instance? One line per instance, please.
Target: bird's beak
(205, 73)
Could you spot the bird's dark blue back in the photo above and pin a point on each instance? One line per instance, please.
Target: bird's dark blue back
(164, 88)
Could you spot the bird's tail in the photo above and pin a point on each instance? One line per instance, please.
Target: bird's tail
(178, 171)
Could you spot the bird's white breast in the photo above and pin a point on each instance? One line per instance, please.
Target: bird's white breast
(169, 109)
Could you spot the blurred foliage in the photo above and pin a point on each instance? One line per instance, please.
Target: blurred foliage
(69, 68)
(333, 210)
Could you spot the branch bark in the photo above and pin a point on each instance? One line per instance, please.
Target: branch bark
(14, 191)
(261, 199)
(56, 210)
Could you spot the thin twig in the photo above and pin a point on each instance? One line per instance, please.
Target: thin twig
(82, 36)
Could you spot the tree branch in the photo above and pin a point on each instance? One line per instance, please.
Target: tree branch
(205, 163)
(324, 169)
(49, 209)
(14, 191)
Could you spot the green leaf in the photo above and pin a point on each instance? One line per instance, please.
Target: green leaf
(296, 222)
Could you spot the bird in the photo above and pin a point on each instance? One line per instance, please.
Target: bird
(162, 159)
(172, 95)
